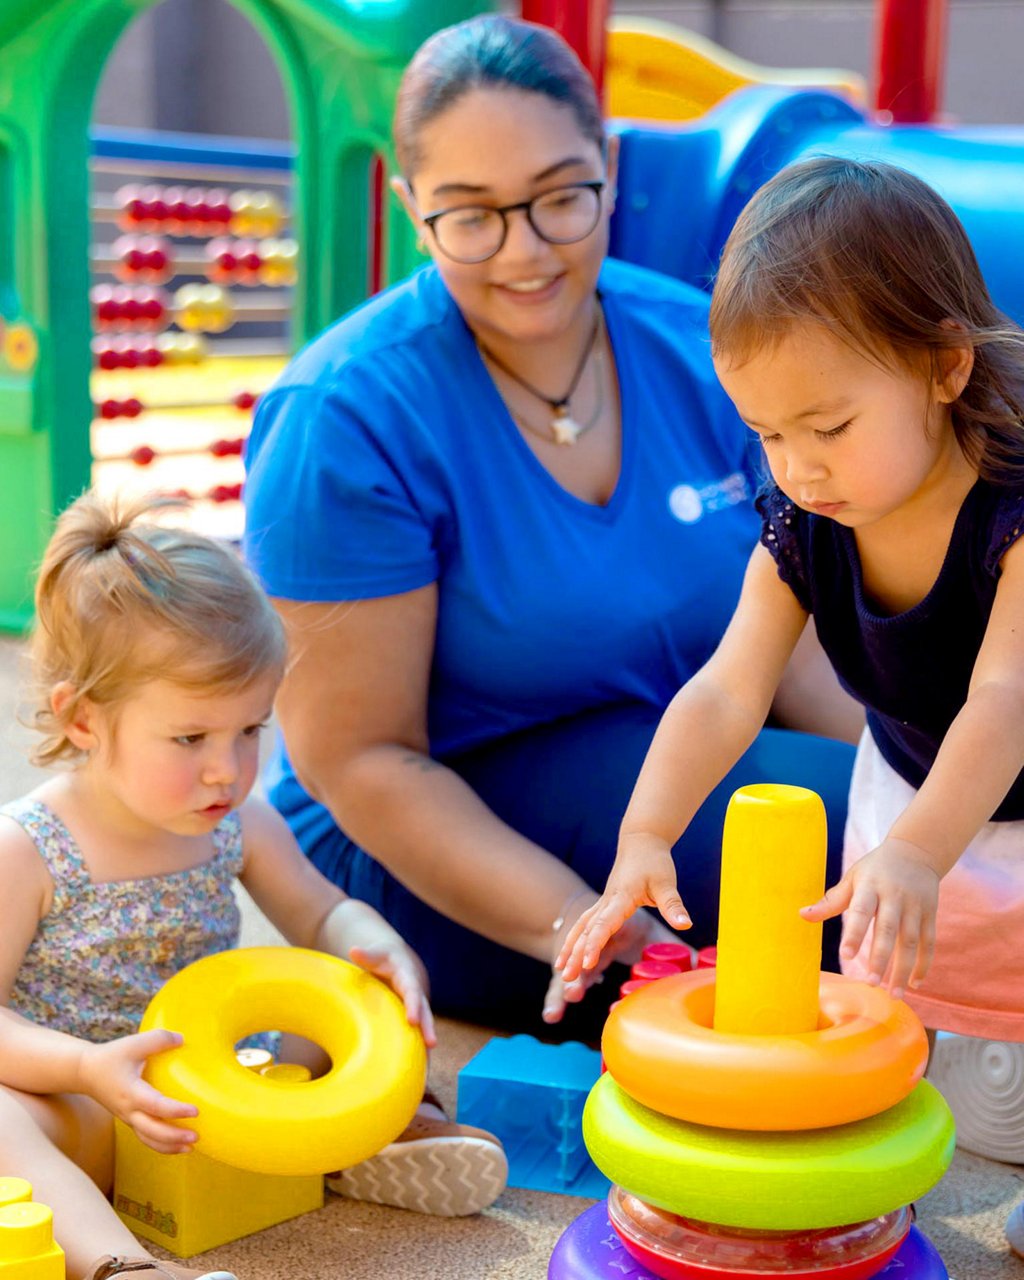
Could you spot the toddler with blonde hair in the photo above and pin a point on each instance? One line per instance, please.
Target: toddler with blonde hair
(156, 658)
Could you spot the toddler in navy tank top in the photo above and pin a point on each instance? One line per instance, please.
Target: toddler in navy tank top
(852, 329)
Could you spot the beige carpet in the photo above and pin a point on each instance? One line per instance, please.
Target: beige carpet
(513, 1240)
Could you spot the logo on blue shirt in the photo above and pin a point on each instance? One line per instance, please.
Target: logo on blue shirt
(690, 503)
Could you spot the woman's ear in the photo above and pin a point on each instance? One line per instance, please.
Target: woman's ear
(76, 714)
(403, 191)
(612, 169)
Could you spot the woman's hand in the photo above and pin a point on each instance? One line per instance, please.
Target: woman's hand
(112, 1074)
(358, 933)
(644, 875)
(896, 886)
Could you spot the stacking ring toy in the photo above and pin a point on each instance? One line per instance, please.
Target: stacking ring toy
(771, 1181)
(675, 1248)
(366, 1099)
(589, 1249)
(868, 1053)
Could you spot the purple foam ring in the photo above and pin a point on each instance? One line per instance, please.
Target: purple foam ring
(589, 1249)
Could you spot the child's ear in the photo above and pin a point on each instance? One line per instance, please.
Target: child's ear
(77, 714)
(953, 368)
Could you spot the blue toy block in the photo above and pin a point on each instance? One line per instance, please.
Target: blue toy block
(531, 1095)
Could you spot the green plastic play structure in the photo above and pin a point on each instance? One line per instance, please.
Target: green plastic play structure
(339, 60)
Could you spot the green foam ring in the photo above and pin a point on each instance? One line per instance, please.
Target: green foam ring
(772, 1181)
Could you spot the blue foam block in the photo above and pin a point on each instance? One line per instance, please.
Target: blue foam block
(531, 1095)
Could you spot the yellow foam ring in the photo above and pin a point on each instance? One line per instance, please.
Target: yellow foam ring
(26, 1230)
(14, 1190)
(369, 1095)
(771, 1181)
(769, 958)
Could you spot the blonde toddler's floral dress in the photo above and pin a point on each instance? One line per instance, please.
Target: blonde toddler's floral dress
(104, 949)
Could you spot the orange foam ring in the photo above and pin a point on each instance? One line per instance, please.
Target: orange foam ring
(769, 958)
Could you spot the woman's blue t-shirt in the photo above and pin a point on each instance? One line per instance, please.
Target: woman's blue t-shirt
(384, 459)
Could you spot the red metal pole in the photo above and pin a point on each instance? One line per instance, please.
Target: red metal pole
(581, 23)
(910, 59)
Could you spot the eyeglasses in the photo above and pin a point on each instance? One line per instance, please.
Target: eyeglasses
(474, 233)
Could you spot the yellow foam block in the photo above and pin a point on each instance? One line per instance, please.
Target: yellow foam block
(191, 1203)
(28, 1250)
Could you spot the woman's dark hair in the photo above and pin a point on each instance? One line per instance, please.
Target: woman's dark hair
(881, 260)
(490, 51)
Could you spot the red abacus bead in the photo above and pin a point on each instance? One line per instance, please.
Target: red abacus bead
(157, 215)
(105, 309)
(128, 309)
(196, 211)
(127, 354)
(653, 969)
(109, 409)
(177, 209)
(152, 308)
(143, 455)
(223, 262)
(151, 355)
(219, 209)
(245, 400)
(671, 953)
(225, 493)
(129, 206)
(104, 354)
(131, 408)
(158, 264)
(227, 448)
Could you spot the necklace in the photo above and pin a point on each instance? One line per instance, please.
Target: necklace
(564, 428)
(595, 413)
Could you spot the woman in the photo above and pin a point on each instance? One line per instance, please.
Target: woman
(503, 509)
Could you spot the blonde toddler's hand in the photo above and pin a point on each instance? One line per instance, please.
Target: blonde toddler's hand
(112, 1074)
(403, 971)
(644, 875)
(897, 888)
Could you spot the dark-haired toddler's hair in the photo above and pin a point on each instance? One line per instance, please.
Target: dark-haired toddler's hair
(121, 600)
(881, 260)
(490, 51)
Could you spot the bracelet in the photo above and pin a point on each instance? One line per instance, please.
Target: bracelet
(559, 920)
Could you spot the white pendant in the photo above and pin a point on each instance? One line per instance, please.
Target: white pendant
(564, 429)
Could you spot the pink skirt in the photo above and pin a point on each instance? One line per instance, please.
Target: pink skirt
(975, 985)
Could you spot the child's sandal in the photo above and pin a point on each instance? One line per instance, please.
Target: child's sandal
(107, 1267)
(436, 1166)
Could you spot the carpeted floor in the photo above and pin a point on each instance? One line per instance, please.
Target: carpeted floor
(513, 1240)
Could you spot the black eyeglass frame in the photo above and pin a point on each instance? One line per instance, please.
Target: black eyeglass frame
(596, 185)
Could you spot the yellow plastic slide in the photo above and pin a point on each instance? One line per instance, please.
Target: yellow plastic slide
(657, 71)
